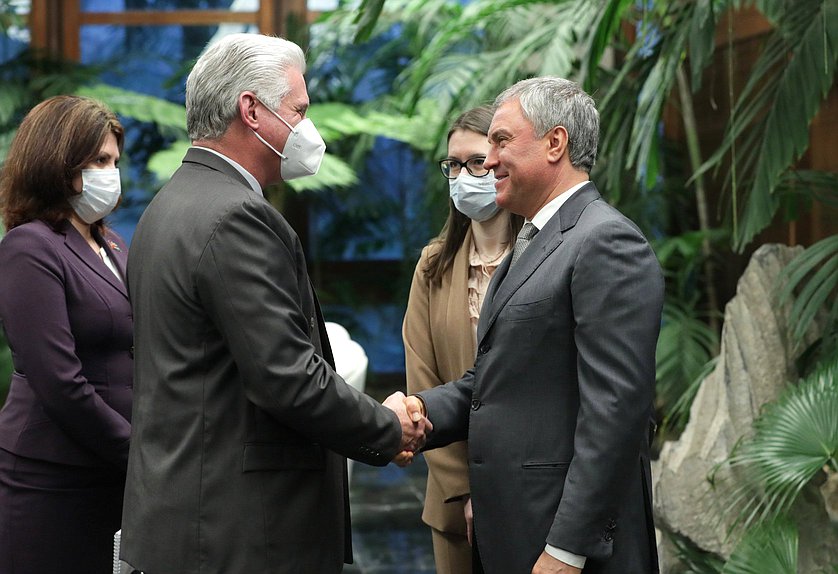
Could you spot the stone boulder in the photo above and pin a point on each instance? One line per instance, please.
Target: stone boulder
(756, 362)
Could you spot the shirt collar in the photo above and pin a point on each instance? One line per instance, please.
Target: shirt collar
(246, 174)
(548, 211)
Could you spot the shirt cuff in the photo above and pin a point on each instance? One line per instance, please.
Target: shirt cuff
(572, 559)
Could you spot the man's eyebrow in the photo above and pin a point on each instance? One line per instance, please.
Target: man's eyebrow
(497, 134)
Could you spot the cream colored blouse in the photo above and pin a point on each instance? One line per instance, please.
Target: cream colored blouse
(479, 274)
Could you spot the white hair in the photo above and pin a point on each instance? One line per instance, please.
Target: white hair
(234, 64)
(548, 102)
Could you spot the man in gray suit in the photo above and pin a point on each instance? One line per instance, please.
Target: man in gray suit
(557, 407)
(241, 425)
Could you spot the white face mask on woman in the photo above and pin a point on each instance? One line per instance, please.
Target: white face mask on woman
(304, 149)
(474, 197)
(100, 190)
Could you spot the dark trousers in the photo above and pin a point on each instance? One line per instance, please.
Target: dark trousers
(476, 564)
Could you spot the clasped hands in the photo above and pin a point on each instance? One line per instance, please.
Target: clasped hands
(415, 425)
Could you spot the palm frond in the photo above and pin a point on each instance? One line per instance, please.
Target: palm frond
(815, 274)
(768, 549)
(165, 162)
(336, 121)
(168, 116)
(810, 184)
(605, 28)
(367, 18)
(333, 173)
(794, 437)
(693, 559)
(705, 17)
(685, 346)
(774, 111)
(489, 23)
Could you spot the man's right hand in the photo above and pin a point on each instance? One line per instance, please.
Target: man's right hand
(415, 425)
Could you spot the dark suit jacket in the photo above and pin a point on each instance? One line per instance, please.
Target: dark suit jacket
(69, 326)
(241, 424)
(557, 406)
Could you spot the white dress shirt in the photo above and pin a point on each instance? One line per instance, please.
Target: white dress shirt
(254, 185)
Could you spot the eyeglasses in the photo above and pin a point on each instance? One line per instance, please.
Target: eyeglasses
(450, 168)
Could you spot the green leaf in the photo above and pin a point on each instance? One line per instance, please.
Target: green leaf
(336, 121)
(793, 438)
(164, 163)
(606, 28)
(139, 106)
(656, 87)
(769, 549)
(702, 38)
(367, 17)
(786, 131)
(334, 172)
(770, 121)
(694, 559)
(814, 273)
(685, 346)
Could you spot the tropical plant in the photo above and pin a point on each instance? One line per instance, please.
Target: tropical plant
(657, 63)
(813, 277)
(770, 548)
(694, 560)
(793, 440)
(769, 127)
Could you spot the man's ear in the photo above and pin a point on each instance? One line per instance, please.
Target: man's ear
(247, 110)
(556, 140)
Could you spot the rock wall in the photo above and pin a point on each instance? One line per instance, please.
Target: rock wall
(755, 364)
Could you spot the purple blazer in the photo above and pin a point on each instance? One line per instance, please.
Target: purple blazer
(70, 328)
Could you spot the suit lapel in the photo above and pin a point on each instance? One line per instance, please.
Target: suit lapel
(118, 255)
(506, 282)
(77, 244)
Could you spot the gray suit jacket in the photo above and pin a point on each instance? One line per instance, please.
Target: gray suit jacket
(241, 424)
(557, 406)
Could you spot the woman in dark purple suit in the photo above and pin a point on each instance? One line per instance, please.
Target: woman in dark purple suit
(64, 430)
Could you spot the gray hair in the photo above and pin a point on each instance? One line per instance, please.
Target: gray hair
(548, 102)
(236, 63)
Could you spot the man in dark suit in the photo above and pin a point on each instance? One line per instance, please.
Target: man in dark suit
(241, 425)
(557, 407)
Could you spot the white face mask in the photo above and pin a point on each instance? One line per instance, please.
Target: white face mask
(303, 151)
(100, 190)
(474, 197)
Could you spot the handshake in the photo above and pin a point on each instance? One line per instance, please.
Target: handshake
(415, 425)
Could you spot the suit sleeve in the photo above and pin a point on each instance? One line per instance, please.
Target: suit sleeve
(423, 374)
(617, 294)
(248, 278)
(37, 326)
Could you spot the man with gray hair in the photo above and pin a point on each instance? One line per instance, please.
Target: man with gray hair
(558, 405)
(241, 427)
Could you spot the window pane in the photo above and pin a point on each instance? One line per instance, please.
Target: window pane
(122, 5)
(15, 39)
(149, 59)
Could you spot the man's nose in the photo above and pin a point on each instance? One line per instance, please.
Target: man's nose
(491, 159)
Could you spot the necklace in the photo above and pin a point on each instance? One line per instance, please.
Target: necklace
(492, 259)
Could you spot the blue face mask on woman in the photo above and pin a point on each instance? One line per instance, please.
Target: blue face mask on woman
(474, 197)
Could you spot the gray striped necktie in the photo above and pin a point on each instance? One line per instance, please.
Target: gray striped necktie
(527, 232)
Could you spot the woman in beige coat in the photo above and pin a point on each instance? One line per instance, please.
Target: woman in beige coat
(440, 325)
